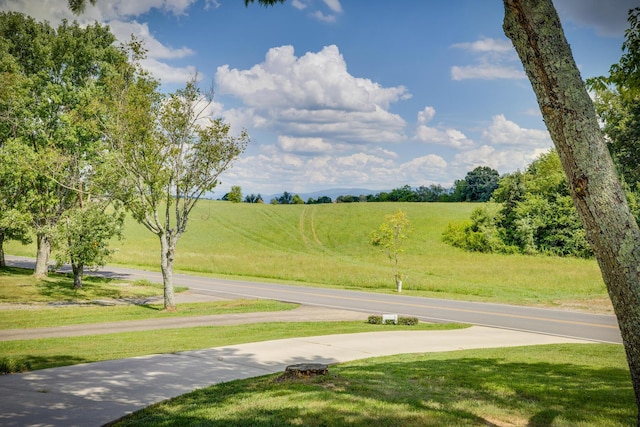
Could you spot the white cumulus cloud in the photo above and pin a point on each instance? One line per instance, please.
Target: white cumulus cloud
(303, 145)
(494, 59)
(314, 96)
(506, 132)
(437, 135)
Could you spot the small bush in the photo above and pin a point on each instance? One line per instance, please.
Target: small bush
(375, 320)
(10, 366)
(407, 321)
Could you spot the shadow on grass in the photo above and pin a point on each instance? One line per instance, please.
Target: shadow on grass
(453, 392)
(15, 271)
(34, 363)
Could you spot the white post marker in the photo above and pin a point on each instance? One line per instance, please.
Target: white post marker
(390, 317)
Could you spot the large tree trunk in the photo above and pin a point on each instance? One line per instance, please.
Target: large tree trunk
(42, 256)
(78, 272)
(166, 263)
(534, 28)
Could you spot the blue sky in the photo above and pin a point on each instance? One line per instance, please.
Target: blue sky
(369, 94)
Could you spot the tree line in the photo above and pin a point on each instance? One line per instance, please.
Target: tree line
(477, 186)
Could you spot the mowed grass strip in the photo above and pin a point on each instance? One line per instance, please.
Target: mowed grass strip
(328, 245)
(63, 316)
(554, 385)
(53, 352)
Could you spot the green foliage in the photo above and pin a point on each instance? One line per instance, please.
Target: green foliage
(285, 199)
(253, 198)
(165, 154)
(297, 200)
(617, 102)
(83, 235)
(52, 93)
(479, 184)
(235, 195)
(389, 237)
(479, 234)
(535, 214)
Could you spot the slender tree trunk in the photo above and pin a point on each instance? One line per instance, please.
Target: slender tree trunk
(166, 263)
(535, 30)
(42, 256)
(78, 272)
(3, 263)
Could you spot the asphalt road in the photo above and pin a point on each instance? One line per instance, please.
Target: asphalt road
(593, 327)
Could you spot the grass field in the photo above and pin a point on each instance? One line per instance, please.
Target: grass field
(328, 245)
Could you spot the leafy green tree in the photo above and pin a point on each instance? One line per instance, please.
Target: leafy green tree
(432, 193)
(390, 237)
(253, 198)
(479, 184)
(235, 195)
(402, 194)
(56, 77)
(286, 198)
(83, 236)
(165, 154)
(617, 102)
(347, 198)
(297, 200)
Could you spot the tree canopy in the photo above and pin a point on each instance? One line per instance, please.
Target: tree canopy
(52, 92)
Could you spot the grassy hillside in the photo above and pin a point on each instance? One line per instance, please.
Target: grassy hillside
(329, 245)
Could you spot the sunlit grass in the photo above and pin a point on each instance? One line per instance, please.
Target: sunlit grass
(328, 245)
(76, 315)
(554, 385)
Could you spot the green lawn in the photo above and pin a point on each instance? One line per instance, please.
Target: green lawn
(328, 245)
(555, 385)
(77, 315)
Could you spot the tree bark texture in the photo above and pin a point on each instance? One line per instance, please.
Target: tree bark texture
(3, 262)
(42, 256)
(535, 30)
(78, 272)
(166, 263)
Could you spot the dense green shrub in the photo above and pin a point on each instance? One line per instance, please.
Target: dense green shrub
(532, 213)
(408, 321)
(375, 320)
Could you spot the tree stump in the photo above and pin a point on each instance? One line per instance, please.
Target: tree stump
(305, 370)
